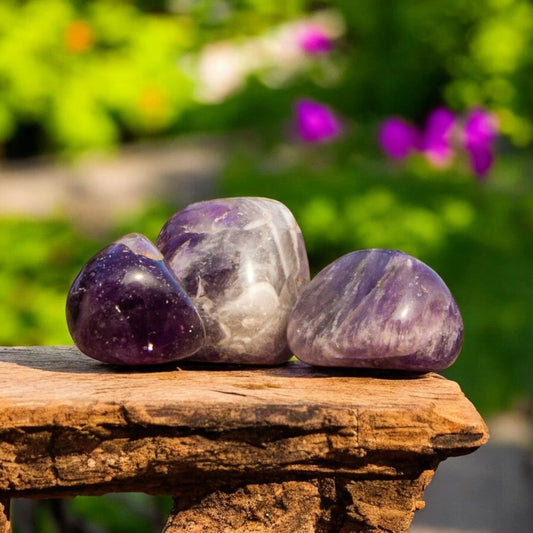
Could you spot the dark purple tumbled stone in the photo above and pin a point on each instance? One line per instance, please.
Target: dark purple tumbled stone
(243, 263)
(377, 309)
(126, 307)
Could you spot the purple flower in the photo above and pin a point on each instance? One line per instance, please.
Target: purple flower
(315, 123)
(437, 138)
(481, 159)
(480, 131)
(443, 135)
(480, 127)
(398, 138)
(314, 41)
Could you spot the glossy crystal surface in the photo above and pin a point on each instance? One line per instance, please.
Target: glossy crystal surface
(377, 309)
(243, 263)
(126, 307)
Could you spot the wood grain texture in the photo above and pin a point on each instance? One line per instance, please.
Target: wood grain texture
(325, 505)
(70, 425)
(5, 511)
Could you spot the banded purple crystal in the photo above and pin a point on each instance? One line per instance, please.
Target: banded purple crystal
(243, 263)
(126, 307)
(377, 309)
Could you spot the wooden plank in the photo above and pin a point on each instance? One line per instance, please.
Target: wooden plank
(70, 425)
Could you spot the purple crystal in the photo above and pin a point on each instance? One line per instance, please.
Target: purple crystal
(243, 263)
(377, 309)
(126, 307)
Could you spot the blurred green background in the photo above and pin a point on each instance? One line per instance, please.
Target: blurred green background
(83, 76)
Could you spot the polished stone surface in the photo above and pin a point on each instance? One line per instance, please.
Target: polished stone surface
(377, 309)
(243, 263)
(126, 307)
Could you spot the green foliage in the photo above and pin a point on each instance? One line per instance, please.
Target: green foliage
(106, 71)
(148, 220)
(110, 513)
(40, 261)
(494, 68)
(479, 239)
(113, 71)
(405, 58)
(43, 258)
(109, 70)
(123, 513)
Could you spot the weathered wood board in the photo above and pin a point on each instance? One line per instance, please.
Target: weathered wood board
(70, 425)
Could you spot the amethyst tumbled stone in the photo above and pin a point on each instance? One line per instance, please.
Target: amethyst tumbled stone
(243, 263)
(377, 309)
(126, 307)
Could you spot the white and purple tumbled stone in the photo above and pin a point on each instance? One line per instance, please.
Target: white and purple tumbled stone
(126, 307)
(377, 309)
(243, 263)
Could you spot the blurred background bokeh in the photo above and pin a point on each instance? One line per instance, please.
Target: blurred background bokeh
(398, 124)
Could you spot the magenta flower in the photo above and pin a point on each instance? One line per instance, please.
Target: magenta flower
(437, 138)
(479, 133)
(315, 123)
(442, 136)
(398, 138)
(314, 41)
